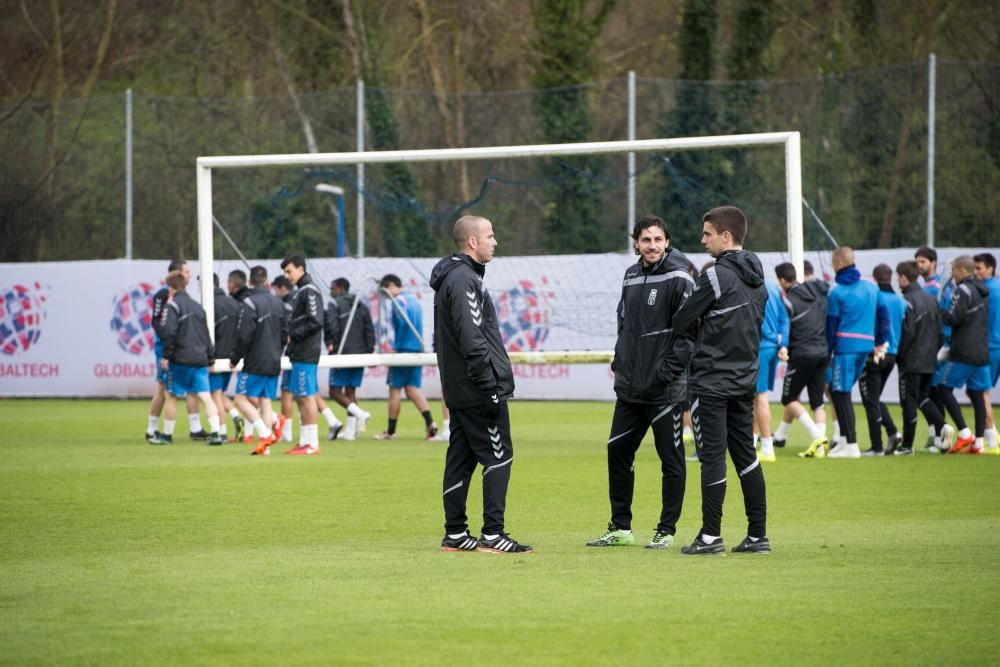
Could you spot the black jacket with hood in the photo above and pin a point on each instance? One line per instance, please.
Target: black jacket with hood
(360, 338)
(806, 304)
(729, 299)
(261, 333)
(969, 319)
(227, 315)
(185, 332)
(305, 328)
(922, 335)
(472, 359)
(649, 359)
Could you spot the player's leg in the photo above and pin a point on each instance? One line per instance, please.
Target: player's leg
(459, 463)
(709, 418)
(413, 382)
(870, 385)
(444, 433)
(992, 446)
(954, 375)
(333, 424)
(155, 409)
(762, 418)
(220, 409)
(283, 424)
(813, 377)
(628, 426)
(791, 407)
(666, 423)
(739, 422)
(306, 389)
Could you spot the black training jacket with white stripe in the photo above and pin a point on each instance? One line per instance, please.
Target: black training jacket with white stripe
(227, 315)
(648, 357)
(968, 316)
(806, 305)
(472, 359)
(185, 332)
(261, 333)
(305, 328)
(729, 300)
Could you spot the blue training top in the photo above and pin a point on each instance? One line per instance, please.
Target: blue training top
(894, 310)
(851, 314)
(404, 340)
(774, 328)
(993, 285)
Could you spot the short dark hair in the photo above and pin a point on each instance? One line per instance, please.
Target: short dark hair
(728, 219)
(342, 283)
(785, 271)
(176, 265)
(390, 279)
(692, 270)
(926, 252)
(647, 221)
(986, 259)
(908, 269)
(258, 275)
(882, 274)
(297, 260)
(175, 280)
(282, 282)
(807, 267)
(238, 278)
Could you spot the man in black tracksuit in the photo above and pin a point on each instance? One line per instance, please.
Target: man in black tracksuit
(305, 343)
(348, 329)
(729, 300)
(650, 382)
(227, 315)
(476, 382)
(919, 342)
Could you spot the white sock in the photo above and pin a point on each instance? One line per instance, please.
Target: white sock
(331, 419)
(314, 435)
(195, 423)
(979, 444)
(213, 424)
(168, 426)
(814, 429)
(152, 424)
(688, 433)
(756, 439)
(490, 537)
(446, 429)
(234, 413)
(753, 539)
(708, 539)
(352, 426)
(991, 437)
(782, 430)
(836, 431)
(931, 432)
(261, 430)
(222, 427)
(625, 532)
(355, 411)
(455, 537)
(767, 445)
(965, 433)
(286, 432)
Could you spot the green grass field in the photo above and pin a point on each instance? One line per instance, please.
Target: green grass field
(115, 552)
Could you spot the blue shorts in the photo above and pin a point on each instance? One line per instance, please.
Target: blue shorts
(404, 376)
(162, 374)
(286, 381)
(257, 386)
(994, 367)
(768, 366)
(955, 374)
(346, 377)
(188, 379)
(846, 371)
(302, 379)
(219, 381)
(828, 374)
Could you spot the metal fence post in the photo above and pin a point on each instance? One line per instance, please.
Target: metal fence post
(361, 169)
(931, 95)
(631, 160)
(128, 174)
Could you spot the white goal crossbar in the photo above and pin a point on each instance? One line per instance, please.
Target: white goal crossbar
(793, 198)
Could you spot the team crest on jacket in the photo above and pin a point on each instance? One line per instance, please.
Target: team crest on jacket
(524, 314)
(652, 297)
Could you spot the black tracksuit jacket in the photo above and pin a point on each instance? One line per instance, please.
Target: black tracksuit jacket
(472, 360)
(305, 328)
(361, 335)
(648, 357)
(185, 332)
(227, 315)
(729, 300)
(261, 333)
(968, 316)
(922, 335)
(806, 304)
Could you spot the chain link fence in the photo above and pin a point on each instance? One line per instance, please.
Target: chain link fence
(864, 143)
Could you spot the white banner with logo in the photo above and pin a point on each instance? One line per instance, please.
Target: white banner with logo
(83, 328)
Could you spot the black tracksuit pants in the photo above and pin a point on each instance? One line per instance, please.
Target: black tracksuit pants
(872, 382)
(476, 439)
(628, 427)
(722, 424)
(914, 394)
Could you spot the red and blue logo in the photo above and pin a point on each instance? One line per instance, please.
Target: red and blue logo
(22, 310)
(132, 319)
(523, 313)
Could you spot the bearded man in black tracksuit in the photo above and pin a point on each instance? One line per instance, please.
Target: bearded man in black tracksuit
(476, 382)
(650, 382)
(729, 300)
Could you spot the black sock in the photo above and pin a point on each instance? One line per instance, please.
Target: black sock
(951, 405)
(392, 426)
(427, 417)
(977, 398)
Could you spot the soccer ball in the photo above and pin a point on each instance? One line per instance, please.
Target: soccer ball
(132, 319)
(22, 310)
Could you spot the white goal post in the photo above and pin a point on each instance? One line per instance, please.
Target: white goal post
(793, 198)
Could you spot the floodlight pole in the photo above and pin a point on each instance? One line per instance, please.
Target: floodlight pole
(205, 251)
(631, 162)
(338, 192)
(931, 99)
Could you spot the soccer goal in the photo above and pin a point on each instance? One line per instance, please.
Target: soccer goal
(524, 349)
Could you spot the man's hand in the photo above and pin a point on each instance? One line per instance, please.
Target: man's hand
(164, 364)
(491, 404)
(783, 353)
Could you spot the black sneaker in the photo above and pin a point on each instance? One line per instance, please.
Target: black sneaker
(199, 435)
(464, 542)
(161, 439)
(334, 431)
(216, 439)
(779, 443)
(503, 544)
(153, 438)
(238, 425)
(872, 452)
(700, 548)
(903, 451)
(748, 546)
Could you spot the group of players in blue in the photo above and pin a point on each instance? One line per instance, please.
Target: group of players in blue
(938, 337)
